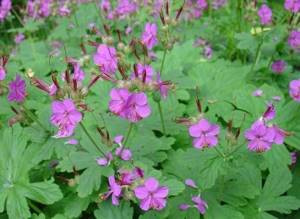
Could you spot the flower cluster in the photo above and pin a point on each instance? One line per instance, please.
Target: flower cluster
(123, 9)
(263, 134)
(292, 5)
(294, 40)
(149, 36)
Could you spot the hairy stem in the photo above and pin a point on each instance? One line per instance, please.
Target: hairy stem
(128, 133)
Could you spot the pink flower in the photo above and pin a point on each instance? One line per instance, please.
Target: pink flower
(207, 52)
(163, 86)
(202, 4)
(125, 7)
(72, 141)
(130, 106)
(257, 93)
(2, 73)
(17, 90)
(106, 59)
(149, 37)
(217, 4)
(128, 177)
(294, 40)
(121, 151)
(278, 66)
(115, 191)
(270, 113)
(65, 116)
(45, 8)
(295, 90)
(279, 134)
(260, 137)
(152, 195)
(191, 183)
(78, 73)
(204, 133)
(292, 5)
(5, 6)
(143, 72)
(105, 5)
(105, 161)
(265, 14)
(19, 38)
(63, 11)
(200, 204)
(184, 207)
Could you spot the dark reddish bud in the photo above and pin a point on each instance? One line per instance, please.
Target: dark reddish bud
(144, 76)
(184, 121)
(122, 72)
(93, 81)
(107, 29)
(119, 35)
(40, 84)
(83, 49)
(179, 11)
(74, 85)
(162, 18)
(136, 74)
(55, 82)
(14, 110)
(238, 133)
(67, 76)
(198, 103)
(167, 7)
(229, 126)
(92, 43)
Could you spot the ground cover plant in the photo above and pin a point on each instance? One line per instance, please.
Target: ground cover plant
(149, 109)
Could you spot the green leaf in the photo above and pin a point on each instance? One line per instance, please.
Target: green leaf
(108, 211)
(175, 187)
(43, 192)
(16, 205)
(283, 204)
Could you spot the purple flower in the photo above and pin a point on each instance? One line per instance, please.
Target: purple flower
(19, 38)
(204, 133)
(106, 59)
(128, 177)
(72, 141)
(295, 90)
(270, 113)
(294, 40)
(123, 153)
(149, 37)
(257, 93)
(163, 86)
(125, 7)
(278, 66)
(207, 52)
(5, 6)
(117, 104)
(17, 90)
(65, 116)
(265, 14)
(279, 134)
(200, 204)
(260, 137)
(130, 106)
(202, 4)
(293, 157)
(78, 73)
(216, 4)
(105, 161)
(45, 8)
(143, 72)
(2, 73)
(115, 191)
(292, 5)
(190, 183)
(152, 195)
(63, 11)
(276, 98)
(184, 207)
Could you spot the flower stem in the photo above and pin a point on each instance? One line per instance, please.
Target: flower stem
(34, 117)
(128, 133)
(163, 62)
(161, 118)
(236, 149)
(257, 55)
(91, 138)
